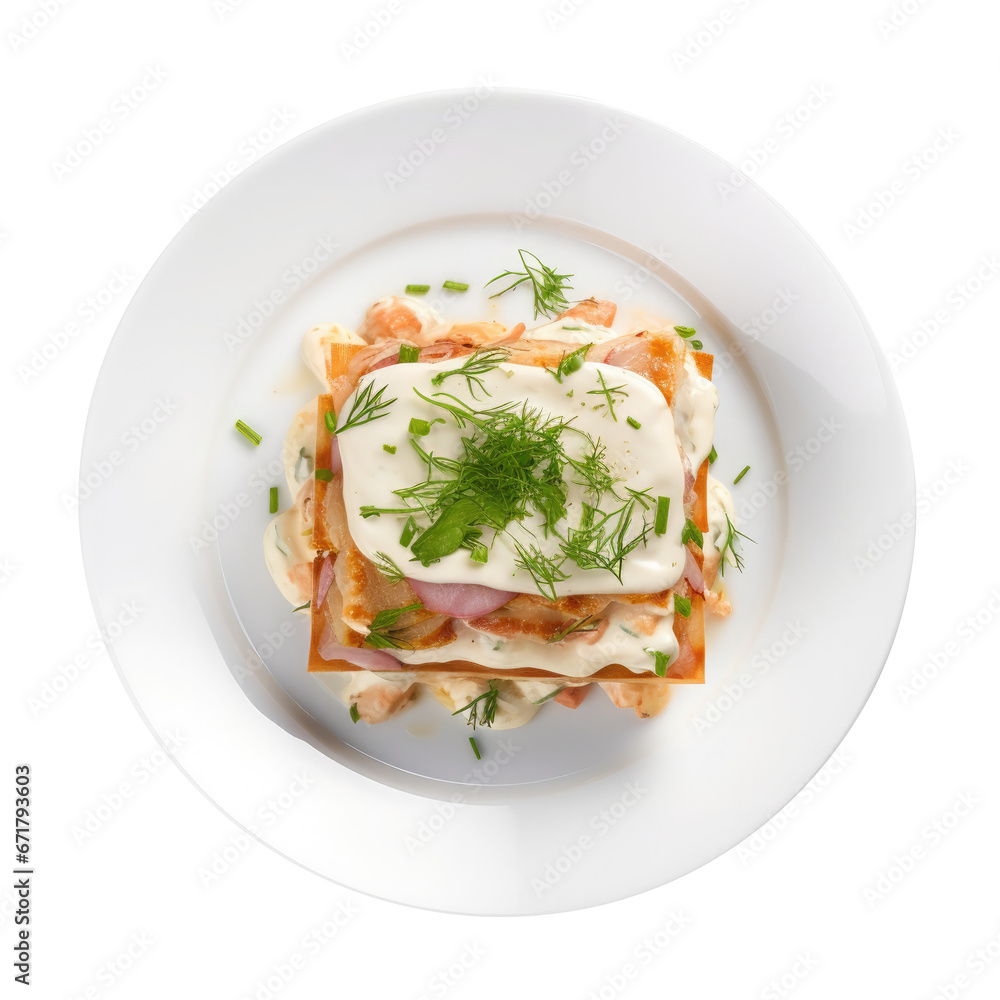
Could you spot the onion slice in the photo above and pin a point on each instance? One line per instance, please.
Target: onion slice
(692, 572)
(325, 579)
(369, 659)
(460, 600)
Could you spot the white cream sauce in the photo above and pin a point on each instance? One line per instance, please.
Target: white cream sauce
(571, 331)
(695, 403)
(638, 456)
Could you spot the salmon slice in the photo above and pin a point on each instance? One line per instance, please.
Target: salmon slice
(596, 312)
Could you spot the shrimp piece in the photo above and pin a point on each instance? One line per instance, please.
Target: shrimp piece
(572, 697)
(397, 317)
(648, 698)
(596, 312)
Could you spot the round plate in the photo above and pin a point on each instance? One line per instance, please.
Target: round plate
(578, 807)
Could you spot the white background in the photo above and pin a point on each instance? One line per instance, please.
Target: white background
(818, 904)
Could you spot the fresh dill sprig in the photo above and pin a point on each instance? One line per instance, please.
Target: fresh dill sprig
(604, 542)
(547, 285)
(728, 550)
(588, 624)
(365, 408)
(388, 569)
(476, 364)
(486, 712)
(544, 570)
(380, 631)
(608, 392)
(571, 362)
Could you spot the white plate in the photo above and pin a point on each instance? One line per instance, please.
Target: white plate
(577, 808)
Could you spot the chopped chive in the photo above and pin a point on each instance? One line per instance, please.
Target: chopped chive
(274, 499)
(391, 448)
(662, 512)
(712, 456)
(248, 432)
(408, 354)
(355, 714)
(686, 331)
(456, 286)
(323, 475)
(419, 427)
(551, 694)
(692, 533)
(301, 607)
(417, 289)
(409, 530)
(682, 606)
(479, 553)
(741, 475)
(628, 631)
(330, 420)
(696, 345)
(472, 742)
(660, 660)
(634, 423)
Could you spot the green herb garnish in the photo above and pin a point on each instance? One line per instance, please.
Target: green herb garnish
(390, 448)
(380, 631)
(331, 421)
(682, 606)
(660, 661)
(662, 513)
(323, 475)
(741, 475)
(388, 569)
(476, 364)
(686, 331)
(408, 354)
(365, 408)
(417, 289)
(696, 345)
(419, 427)
(728, 552)
(456, 286)
(569, 363)
(248, 432)
(692, 533)
(548, 287)
(274, 500)
(475, 747)
(355, 715)
(608, 392)
(301, 607)
(632, 422)
(485, 714)
(588, 624)
(409, 530)
(712, 456)
(551, 694)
